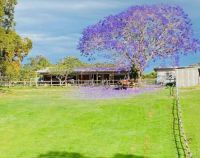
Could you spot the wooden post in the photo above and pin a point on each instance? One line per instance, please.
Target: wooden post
(76, 79)
(30, 83)
(97, 78)
(9, 84)
(102, 79)
(81, 77)
(113, 78)
(51, 80)
(36, 81)
(90, 78)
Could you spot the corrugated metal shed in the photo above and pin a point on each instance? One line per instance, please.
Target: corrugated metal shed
(187, 77)
(184, 76)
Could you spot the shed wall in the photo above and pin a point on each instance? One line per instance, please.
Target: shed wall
(187, 77)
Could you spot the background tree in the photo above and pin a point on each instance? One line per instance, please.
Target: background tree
(12, 51)
(141, 34)
(8, 22)
(11, 70)
(13, 48)
(1, 10)
(151, 75)
(60, 73)
(70, 63)
(38, 62)
(26, 73)
(65, 67)
(28, 70)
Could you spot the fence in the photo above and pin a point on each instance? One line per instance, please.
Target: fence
(57, 83)
(17, 83)
(181, 140)
(148, 81)
(72, 83)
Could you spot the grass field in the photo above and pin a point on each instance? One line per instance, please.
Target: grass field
(48, 123)
(190, 101)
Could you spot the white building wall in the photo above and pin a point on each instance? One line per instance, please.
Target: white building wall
(187, 77)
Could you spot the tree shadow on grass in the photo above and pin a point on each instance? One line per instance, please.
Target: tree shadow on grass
(61, 155)
(77, 155)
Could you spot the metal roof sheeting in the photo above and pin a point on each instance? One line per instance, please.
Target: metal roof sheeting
(91, 69)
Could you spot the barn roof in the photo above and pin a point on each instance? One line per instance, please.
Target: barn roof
(90, 69)
(101, 69)
(46, 70)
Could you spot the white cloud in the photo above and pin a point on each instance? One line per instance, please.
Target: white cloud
(38, 37)
(68, 5)
(90, 5)
(39, 13)
(53, 46)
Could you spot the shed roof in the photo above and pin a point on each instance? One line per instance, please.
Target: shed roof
(173, 68)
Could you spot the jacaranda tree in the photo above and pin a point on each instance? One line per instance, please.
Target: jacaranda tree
(141, 34)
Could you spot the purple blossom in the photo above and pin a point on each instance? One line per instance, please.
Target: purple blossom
(141, 34)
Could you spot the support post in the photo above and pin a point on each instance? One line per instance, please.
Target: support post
(30, 84)
(51, 80)
(81, 77)
(36, 80)
(97, 78)
(113, 78)
(76, 77)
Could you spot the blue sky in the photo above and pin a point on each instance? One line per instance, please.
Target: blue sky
(55, 26)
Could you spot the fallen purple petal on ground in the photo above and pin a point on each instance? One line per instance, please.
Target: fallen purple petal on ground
(93, 93)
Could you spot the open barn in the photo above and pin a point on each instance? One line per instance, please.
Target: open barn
(87, 76)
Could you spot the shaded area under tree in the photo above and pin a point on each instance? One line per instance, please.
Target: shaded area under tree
(63, 154)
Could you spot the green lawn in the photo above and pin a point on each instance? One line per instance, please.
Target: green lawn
(47, 123)
(190, 101)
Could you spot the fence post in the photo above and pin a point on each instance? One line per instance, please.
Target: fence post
(30, 84)
(36, 80)
(183, 137)
(51, 80)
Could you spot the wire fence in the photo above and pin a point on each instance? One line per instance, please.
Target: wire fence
(72, 83)
(57, 83)
(181, 141)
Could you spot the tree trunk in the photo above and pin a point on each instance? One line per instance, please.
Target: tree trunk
(60, 82)
(66, 79)
(140, 77)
